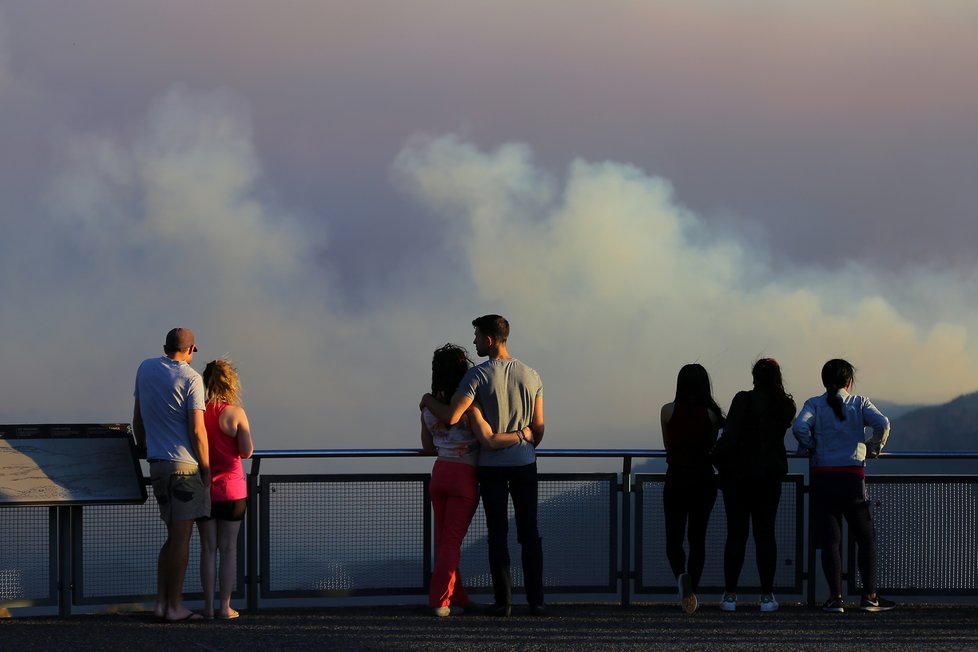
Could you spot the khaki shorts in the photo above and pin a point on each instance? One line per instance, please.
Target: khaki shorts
(179, 491)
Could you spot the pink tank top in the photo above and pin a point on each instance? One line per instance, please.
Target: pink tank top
(227, 475)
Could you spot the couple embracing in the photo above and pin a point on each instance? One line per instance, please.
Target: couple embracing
(484, 423)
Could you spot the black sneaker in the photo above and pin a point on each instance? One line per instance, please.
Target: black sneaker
(876, 604)
(540, 610)
(687, 599)
(500, 610)
(834, 606)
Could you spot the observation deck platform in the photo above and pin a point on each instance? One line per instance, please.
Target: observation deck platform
(571, 627)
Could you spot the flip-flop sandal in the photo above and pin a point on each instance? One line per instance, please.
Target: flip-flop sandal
(192, 616)
(230, 616)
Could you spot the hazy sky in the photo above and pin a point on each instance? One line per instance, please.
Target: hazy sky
(328, 190)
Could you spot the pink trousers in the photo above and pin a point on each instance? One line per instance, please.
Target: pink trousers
(454, 497)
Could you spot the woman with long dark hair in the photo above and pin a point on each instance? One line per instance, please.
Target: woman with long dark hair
(832, 426)
(689, 430)
(453, 489)
(756, 425)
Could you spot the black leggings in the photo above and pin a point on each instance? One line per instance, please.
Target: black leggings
(688, 499)
(751, 501)
(834, 495)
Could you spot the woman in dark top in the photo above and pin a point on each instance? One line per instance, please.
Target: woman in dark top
(756, 425)
(689, 429)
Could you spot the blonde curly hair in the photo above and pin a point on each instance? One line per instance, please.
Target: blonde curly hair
(221, 382)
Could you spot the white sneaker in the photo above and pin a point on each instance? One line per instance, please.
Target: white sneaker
(687, 599)
(768, 603)
(729, 602)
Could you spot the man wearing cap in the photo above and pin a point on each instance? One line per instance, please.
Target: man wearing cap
(168, 422)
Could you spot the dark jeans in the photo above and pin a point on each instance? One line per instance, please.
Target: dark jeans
(835, 495)
(496, 484)
(688, 499)
(752, 501)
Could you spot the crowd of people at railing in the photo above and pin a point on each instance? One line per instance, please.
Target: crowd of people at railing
(484, 423)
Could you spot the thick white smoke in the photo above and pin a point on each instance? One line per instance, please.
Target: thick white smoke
(609, 283)
(617, 285)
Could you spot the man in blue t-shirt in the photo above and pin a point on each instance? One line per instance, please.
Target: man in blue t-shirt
(168, 422)
(510, 395)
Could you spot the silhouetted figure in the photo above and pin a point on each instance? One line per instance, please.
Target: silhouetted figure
(756, 425)
(689, 431)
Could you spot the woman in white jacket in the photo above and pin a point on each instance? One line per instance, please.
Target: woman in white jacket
(832, 426)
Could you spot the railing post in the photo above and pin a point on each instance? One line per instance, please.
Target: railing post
(810, 571)
(252, 571)
(64, 561)
(626, 530)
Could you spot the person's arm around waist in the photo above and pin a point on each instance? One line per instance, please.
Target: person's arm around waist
(198, 439)
(494, 440)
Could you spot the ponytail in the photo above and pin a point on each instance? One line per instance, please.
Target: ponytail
(835, 402)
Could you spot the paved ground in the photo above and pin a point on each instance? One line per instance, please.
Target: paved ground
(572, 627)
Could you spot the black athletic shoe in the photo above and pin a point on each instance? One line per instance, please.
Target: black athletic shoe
(876, 604)
(834, 606)
(687, 599)
(500, 610)
(540, 610)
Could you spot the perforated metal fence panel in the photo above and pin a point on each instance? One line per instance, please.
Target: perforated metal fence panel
(28, 556)
(117, 548)
(344, 534)
(370, 535)
(578, 522)
(926, 534)
(652, 571)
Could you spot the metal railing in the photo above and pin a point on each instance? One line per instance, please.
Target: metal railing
(334, 535)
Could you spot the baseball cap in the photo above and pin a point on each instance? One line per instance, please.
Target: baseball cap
(179, 339)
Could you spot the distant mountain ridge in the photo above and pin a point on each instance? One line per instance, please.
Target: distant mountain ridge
(896, 410)
(950, 426)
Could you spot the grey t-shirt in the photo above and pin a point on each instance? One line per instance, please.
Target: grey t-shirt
(506, 391)
(167, 390)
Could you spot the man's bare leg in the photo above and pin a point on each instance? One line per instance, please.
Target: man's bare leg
(176, 555)
(160, 609)
(207, 529)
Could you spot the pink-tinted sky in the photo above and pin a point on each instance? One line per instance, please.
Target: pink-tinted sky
(832, 146)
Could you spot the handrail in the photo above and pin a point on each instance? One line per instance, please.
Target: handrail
(566, 452)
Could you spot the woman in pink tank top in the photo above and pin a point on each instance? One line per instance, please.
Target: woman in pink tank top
(228, 440)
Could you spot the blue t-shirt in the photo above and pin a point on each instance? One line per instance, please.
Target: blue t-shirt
(506, 392)
(167, 390)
